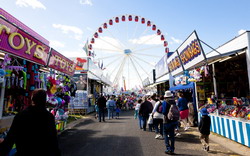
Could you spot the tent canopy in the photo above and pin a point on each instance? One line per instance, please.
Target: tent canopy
(179, 87)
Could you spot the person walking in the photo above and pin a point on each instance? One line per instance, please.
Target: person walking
(101, 103)
(33, 130)
(158, 118)
(171, 116)
(183, 107)
(110, 106)
(204, 128)
(137, 108)
(144, 111)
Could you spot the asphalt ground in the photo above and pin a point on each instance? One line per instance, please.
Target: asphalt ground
(122, 137)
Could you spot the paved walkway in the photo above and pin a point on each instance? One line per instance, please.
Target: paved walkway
(122, 137)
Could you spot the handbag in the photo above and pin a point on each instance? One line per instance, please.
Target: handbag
(150, 120)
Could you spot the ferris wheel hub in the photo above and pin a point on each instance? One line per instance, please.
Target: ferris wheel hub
(127, 51)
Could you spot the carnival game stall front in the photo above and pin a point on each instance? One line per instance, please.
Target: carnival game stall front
(229, 104)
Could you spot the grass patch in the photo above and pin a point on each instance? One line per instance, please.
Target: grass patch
(72, 118)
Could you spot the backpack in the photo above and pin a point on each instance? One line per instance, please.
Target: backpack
(173, 113)
(159, 108)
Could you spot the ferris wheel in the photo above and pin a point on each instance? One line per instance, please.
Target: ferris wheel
(127, 47)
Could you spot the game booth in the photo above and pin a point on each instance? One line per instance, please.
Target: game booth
(217, 80)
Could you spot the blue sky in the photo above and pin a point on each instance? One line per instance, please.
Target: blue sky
(67, 24)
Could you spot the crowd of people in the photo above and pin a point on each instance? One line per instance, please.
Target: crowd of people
(165, 115)
(162, 114)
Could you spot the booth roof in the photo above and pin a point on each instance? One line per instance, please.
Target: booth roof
(179, 87)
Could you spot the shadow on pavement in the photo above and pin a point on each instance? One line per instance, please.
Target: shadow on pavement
(77, 142)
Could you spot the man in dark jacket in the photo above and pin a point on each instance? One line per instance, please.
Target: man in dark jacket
(101, 103)
(144, 111)
(204, 128)
(33, 130)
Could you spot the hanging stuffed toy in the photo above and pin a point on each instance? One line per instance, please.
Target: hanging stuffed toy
(2, 75)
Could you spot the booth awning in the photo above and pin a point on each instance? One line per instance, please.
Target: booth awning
(180, 87)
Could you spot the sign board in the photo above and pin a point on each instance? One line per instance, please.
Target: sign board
(60, 63)
(191, 52)
(81, 81)
(161, 67)
(17, 42)
(174, 64)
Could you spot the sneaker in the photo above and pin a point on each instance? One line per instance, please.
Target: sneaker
(207, 148)
(204, 148)
(157, 136)
(169, 152)
(178, 134)
(186, 128)
(160, 137)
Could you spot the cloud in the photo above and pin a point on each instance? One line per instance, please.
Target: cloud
(178, 41)
(33, 3)
(66, 29)
(89, 29)
(56, 44)
(148, 39)
(86, 2)
(73, 53)
(241, 31)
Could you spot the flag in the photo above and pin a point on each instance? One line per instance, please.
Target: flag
(85, 48)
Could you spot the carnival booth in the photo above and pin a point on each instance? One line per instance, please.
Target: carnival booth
(229, 104)
(25, 66)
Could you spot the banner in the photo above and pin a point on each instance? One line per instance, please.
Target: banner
(174, 64)
(161, 67)
(191, 52)
(17, 42)
(60, 63)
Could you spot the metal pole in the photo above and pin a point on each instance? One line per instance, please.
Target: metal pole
(214, 81)
(2, 99)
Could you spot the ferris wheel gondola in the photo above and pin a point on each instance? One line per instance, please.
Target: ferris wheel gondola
(128, 52)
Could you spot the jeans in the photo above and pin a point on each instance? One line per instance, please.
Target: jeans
(145, 119)
(101, 114)
(158, 122)
(136, 114)
(169, 135)
(110, 112)
(140, 121)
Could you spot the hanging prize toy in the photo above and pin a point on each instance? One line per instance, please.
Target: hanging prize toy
(2, 75)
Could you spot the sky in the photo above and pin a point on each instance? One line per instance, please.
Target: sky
(68, 24)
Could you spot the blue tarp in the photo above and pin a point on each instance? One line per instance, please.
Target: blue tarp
(179, 87)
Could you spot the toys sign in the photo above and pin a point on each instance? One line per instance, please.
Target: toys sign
(17, 42)
(60, 63)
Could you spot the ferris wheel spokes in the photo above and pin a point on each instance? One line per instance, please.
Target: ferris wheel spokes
(113, 50)
(116, 39)
(120, 69)
(145, 49)
(147, 55)
(143, 61)
(135, 68)
(113, 61)
(139, 45)
(111, 44)
(140, 66)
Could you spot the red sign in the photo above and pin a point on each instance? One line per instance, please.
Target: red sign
(17, 42)
(60, 63)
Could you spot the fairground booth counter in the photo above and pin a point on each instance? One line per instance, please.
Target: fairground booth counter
(90, 82)
(27, 63)
(217, 80)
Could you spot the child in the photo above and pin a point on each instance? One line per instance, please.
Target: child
(97, 111)
(204, 128)
(117, 110)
